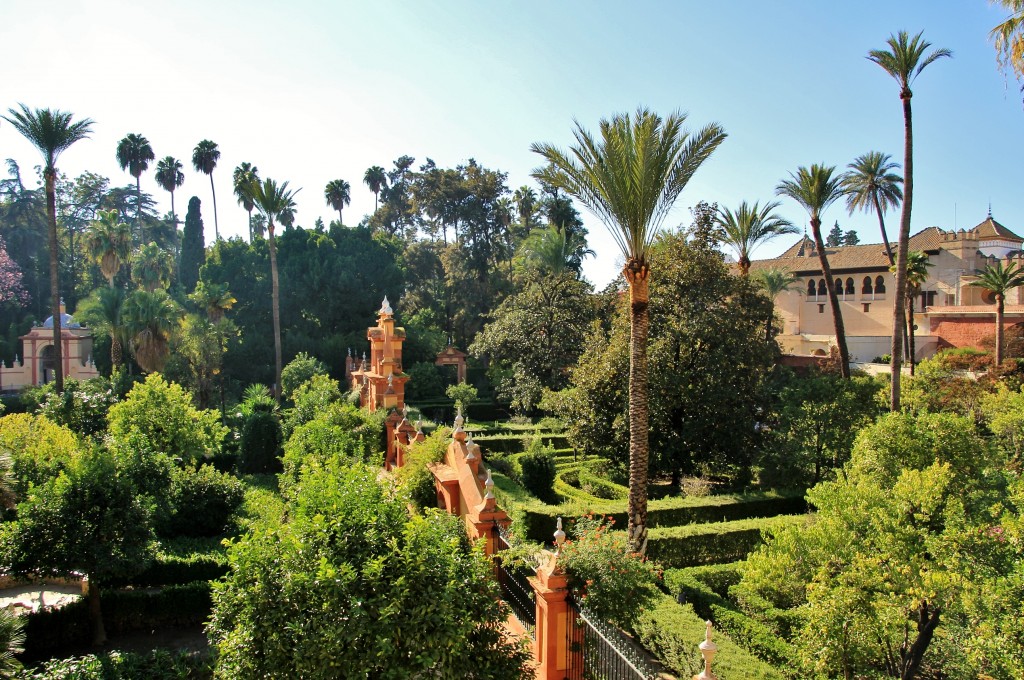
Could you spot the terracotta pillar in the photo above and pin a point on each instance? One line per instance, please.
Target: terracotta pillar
(550, 645)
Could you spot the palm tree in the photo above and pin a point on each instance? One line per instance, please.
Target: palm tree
(553, 251)
(917, 274)
(816, 188)
(749, 227)
(244, 175)
(904, 61)
(774, 281)
(109, 242)
(134, 154)
(52, 133)
(149, 318)
(1009, 37)
(152, 267)
(272, 200)
(630, 178)
(376, 179)
(999, 281)
(215, 298)
(12, 642)
(169, 176)
(338, 194)
(526, 203)
(872, 186)
(204, 160)
(103, 312)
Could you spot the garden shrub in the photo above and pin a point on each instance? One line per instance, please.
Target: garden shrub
(82, 407)
(203, 501)
(171, 570)
(261, 443)
(414, 478)
(537, 470)
(39, 449)
(694, 544)
(299, 371)
(425, 382)
(159, 664)
(312, 399)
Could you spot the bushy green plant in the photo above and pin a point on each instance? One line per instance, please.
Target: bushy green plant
(610, 580)
(159, 664)
(203, 501)
(312, 399)
(163, 413)
(463, 394)
(424, 382)
(299, 371)
(414, 478)
(537, 470)
(39, 449)
(260, 443)
(82, 407)
(12, 639)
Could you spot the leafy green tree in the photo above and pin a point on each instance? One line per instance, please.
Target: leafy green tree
(631, 179)
(134, 154)
(850, 238)
(338, 194)
(152, 267)
(193, 248)
(375, 179)
(272, 200)
(88, 520)
(39, 449)
(204, 160)
(198, 347)
(244, 175)
(170, 177)
(749, 227)
(51, 132)
(463, 394)
(149, 319)
(904, 61)
(835, 236)
(298, 372)
(871, 185)
(315, 595)
(109, 242)
(999, 281)
(815, 189)
(774, 281)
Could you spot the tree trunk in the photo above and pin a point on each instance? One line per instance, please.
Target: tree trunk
(216, 228)
(99, 633)
(896, 352)
(250, 224)
(927, 622)
(1000, 306)
(116, 352)
(833, 298)
(276, 301)
(340, 220)
(910, 332)
(881, 227)
(138, 207)
(51, 209)
(637, 275)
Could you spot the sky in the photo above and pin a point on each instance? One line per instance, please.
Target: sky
(313, 91)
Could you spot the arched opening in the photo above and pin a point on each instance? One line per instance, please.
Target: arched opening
(822, 288)
(47, 364)
(811, 289)
(820, 353)
(867, 289)
(988, 297)
(850, 289)
(879, 285)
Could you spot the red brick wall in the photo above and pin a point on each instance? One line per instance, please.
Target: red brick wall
(969, 331)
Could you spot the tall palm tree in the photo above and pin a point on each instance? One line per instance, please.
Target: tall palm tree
(338, 194)
(152, 267)
(630, 178)
(109, 242)
(749, 227)
(134, 154)
(204, 160)
(103, 312)
(917, 274)
(774, 281)
(1009, 37)
(244, 175)
(871, 185)
(904, 61)
(526, 203)
(215, 298)
(52, 133)
(150, 317)
(999, 281)
(169, 176)
(553, 251)
(815, 189)
(272, 200)
(376, 179)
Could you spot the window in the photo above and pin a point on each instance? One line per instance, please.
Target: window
(812, 290)
(850, 290)
(880, 285)
(867, 306)
(866, 289)
(821, 309)
(822, 288)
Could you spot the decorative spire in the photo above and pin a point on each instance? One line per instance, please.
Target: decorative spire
(419, 426)
(990, 209)
(559, 535)
(385, 307)
(471, 446)
(708, 649)
(489, 486)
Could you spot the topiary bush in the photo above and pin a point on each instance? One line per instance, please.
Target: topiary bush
(537, 470)
(260, 443)
(203, 501)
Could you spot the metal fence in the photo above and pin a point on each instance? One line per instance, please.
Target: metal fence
(599, 651)
(515, 589)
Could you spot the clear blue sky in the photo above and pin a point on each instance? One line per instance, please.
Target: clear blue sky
(314, 91)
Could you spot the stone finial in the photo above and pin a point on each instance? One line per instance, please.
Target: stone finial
(405, 411)
(385, 307)
(349, 352)
(489, 487)
(559, 535)
(708, 649)
(419, 426)
(471, 447)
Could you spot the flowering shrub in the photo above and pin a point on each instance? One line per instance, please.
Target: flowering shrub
(82, 407)
(609, 581)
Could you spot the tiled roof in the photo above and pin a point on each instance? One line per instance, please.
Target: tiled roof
(991, 229)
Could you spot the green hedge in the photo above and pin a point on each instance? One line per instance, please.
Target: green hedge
(123, 611)
(672, 632)
(159, 664)
(538, 519)
(171, 570)
(694, 544)
(513, 442)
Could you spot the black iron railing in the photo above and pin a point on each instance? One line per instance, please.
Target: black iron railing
(515, 589)
(599, 651)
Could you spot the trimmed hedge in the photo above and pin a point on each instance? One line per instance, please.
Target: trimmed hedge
(123, 611)
(513, 443)
(672, 632)
(159, 663)
(696, 544)
(172, 570)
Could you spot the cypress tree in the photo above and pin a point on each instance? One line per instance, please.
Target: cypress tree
(193, 249)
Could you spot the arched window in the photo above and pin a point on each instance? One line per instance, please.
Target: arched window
(850, 290)
(812, 289)
(867, 289)
(880, 285)
(822, 288)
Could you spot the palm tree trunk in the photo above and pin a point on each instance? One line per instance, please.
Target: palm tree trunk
(216, 228)
(896, 352)
(276, 301)
(340, 221)
(99, 633)
(881, 227)
(250, 224)
(138, 207)
(51, 212)
(116, 352)
(910, 331)
(1000, 301)
(637, 276)
(744, 266)
(833, 298)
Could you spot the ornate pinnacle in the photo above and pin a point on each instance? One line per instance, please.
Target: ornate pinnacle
(559, 535)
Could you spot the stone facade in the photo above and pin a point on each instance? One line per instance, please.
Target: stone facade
(35, 367)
